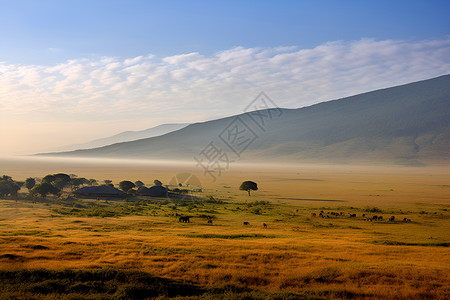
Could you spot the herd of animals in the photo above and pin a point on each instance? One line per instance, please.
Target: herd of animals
(342, 214)
(321, 214)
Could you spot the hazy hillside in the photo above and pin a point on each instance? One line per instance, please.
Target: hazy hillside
(408, 124)
(125, 136)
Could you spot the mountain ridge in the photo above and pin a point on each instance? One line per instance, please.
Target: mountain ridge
(407, 124)
(125, 136)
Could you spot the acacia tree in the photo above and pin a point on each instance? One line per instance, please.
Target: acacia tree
(48, 178)
(77, 182)
(139, 183)
(44, 189)
(6, 178)
(8, 186)
(126, 185)
(157, 182)
(248, 186)
(61, 180)
(5, 188)
(30, 183)
(108, 182)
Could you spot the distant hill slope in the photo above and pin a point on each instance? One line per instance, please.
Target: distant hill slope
(408, 124)
(125, 136)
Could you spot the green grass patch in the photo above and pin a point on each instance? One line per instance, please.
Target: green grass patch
(114, 210)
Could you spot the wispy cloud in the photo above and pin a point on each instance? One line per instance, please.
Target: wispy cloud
(193, 86)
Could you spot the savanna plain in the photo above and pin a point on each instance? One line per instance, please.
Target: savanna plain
(320, 241)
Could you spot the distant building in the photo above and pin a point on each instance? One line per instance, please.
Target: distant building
(154, 191)
(99, 191)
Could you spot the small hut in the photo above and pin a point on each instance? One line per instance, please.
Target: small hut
(154, 191)
(99, 191)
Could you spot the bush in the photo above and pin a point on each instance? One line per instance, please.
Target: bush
(373, 210)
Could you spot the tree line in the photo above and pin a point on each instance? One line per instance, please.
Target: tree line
(54, 184)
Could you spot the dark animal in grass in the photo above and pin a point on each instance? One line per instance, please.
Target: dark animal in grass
(313, 214)
(352, 215)
(264, 225)
(375, 218)
(380, 218)
(363, 215)
(184, 219)
(209, 221)
(392, 219)
(342, 213)
(246, 223)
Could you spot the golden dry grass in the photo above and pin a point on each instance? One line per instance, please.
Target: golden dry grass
(337, 257)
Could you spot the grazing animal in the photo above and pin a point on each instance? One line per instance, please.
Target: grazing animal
(380, 218)
(246, 223)
(363, 215)
(342, 213)
(352, 215)
(375, 218)
(313, 214)
(264, 225)
(392, 219)
(184, 219)
(209, 221)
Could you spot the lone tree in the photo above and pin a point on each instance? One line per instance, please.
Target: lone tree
(126, 185)
(248, 186)
(157, 182)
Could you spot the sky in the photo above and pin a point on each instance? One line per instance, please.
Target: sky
(73, 71)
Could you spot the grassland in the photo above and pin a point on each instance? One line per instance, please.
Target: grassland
(133, 248)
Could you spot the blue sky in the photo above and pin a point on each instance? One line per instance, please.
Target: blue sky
(72, 71)
(45, 32)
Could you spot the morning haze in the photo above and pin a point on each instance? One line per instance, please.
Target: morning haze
(235, 150)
